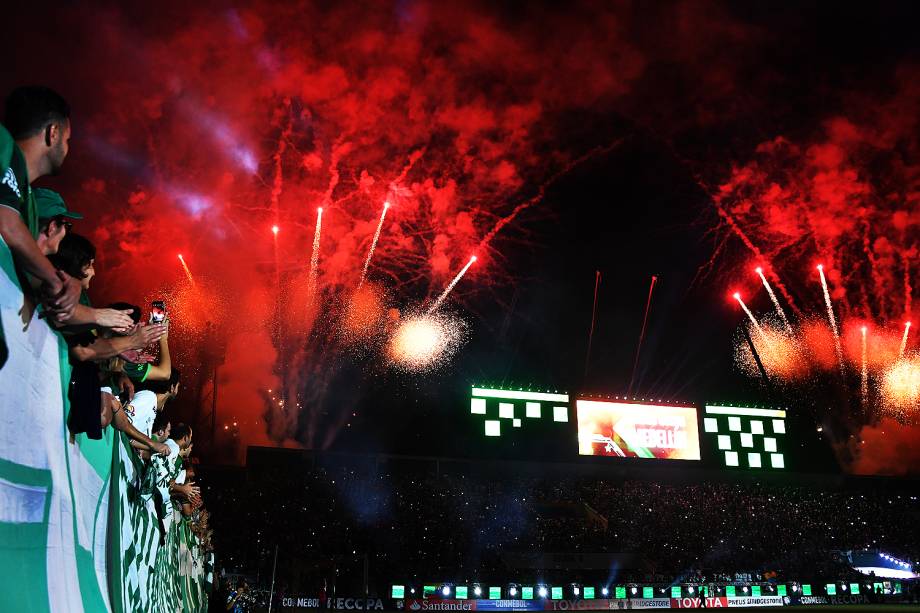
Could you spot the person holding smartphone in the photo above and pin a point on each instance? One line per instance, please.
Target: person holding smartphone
(141, 371)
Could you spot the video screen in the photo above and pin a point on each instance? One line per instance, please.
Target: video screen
(637, 430)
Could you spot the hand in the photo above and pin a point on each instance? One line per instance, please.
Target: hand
(126, 385)
(190, 491)
(61, 296)
(160, 448)
(119, 321)
(136, 356)
(146, 335)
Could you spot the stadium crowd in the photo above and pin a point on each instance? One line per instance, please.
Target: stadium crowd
(118, 371)
(465, 527)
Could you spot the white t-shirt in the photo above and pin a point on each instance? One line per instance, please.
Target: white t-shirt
(173, 451)
(142, 410)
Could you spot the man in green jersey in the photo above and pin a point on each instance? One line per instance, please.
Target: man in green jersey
(34, 143)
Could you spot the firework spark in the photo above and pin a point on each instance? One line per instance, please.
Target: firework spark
(314, 254)
(424, 343)
(900, 388)
(747, 311)
(188, 273)
(450, 286)
(864, 371)
(774, 299)
(830, 317)
(904, 340)
(370, 252)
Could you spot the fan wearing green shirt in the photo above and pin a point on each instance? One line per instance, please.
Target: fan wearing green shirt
(54, 224)
(33, 143)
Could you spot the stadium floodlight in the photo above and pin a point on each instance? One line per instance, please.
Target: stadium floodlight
(744, 589)
(690, 589)
(605, 591)
(445, 590)
(632, 590)
(576, 590)
(411, 590)
(477, 590)
(542, 591)
(512, 591)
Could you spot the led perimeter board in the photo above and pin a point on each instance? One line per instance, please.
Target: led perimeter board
(637, 430)
(746, 437)
(504, 411)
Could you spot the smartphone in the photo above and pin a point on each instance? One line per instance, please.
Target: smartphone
(157, 311)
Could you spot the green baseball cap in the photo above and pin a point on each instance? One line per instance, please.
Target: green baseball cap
(50, 204)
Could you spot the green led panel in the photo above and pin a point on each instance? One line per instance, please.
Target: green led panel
(462, 592)
(495, 593)
(746, 437)
(557, 593)
(589, 593)
(527, 593)
(398, 591)
(619, 591)
(648, 592)
(505, 411)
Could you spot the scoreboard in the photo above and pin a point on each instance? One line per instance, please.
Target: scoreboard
(554, 424)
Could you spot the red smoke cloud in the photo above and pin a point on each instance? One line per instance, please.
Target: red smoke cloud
(888, 448)
(847, 196)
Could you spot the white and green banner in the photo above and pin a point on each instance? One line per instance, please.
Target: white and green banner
(75, 533)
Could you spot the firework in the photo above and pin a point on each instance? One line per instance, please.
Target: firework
(864, 371)
(314, 255)
(830, 317)
(450, 286)
(188, 273)
(900, 388)
(797, 353)
(425, 342)
(747, 311)
(275, 230)
(370, 252)
(774, 299)
(904, 340)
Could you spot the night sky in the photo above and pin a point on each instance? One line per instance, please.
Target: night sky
(688, 140)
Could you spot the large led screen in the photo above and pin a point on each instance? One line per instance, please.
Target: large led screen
(747, 437)
(634, 430)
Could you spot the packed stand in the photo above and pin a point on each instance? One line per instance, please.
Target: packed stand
(92, 385)
(465, 527)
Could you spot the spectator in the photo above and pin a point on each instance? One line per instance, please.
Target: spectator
(137, 417)
(33, 144)
(180, 445)
(90, 407)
